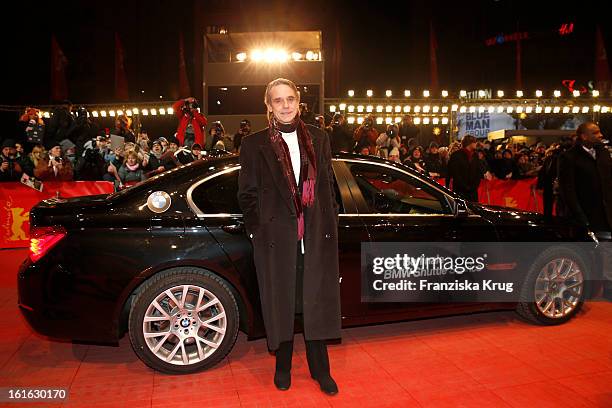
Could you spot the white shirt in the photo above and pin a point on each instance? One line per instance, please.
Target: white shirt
(294, 153)
(590, 151)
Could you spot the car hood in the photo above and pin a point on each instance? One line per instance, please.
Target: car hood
(507, 215)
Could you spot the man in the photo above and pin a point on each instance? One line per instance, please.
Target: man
(10, 170)
(340, 137)
(365, 136)
(585, 184)
(408, 130)
(287, 197)
(245, 130)
(464, 170)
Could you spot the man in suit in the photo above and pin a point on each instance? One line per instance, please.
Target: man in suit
(585, 184)
(286, 193)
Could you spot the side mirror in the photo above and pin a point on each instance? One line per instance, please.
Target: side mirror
(461, 209)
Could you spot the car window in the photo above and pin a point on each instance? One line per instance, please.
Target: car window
(390, 191)
(218, 195)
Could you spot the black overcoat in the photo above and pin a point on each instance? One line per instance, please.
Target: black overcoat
(586, 186)
(270, 216)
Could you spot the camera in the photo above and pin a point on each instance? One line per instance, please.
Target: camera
(58, 159)
(189, 106)
(218, 127)
(391, 132)
(368, 123)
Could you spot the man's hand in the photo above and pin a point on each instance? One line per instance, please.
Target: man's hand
(191, 99)
(5, 166)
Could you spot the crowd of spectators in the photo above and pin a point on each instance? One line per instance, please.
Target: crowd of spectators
(71, 146)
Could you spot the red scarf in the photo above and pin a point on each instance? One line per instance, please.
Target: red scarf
(469, 153)
(308, 171)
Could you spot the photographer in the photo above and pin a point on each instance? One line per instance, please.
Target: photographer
(54, 167)
(91, 165)
(339, 135)
(10, 170)
(191, 122)
(33, 128)
(387, 141)
(216, 134)
(365, 136)
(60, 124)
(245, 130)
(408, 130)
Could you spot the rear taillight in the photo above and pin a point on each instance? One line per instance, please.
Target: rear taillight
(42, 239)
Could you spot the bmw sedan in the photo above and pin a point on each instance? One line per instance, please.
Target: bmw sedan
(168, 262)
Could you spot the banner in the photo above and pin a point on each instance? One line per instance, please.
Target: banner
(16, 200)
(479, 124)
(519, 194)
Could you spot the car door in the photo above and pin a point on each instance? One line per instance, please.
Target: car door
(398, 206)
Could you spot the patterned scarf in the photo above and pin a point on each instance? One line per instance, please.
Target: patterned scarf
(308, 170)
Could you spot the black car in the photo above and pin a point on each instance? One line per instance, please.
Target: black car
(168, 261)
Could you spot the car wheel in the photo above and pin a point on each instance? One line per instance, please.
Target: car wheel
(183, 320)
(554, 288)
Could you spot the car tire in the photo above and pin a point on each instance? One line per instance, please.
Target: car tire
(191, 340)
(544, 291)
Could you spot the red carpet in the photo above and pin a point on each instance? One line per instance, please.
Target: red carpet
(485, 360)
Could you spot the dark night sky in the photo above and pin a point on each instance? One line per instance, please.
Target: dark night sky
(383, 45)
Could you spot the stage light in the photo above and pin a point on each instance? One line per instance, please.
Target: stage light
(595, 93)
(509, 109)
(435, 121)
(596, 108)
(426, 120)
(585, 109)
(351, 108)
(417, 109)
(500, 109)
(388, 93)
(153, 112)
(529, 109)
(379, 108)
(519, 109)
(444, 121)
(444, 93)
(445, 109)
(332, 108)
(297, 56)
(135, 111)
(351, 120)
(241, 56)
(519, 94)
(556, 109)
(462, 93)
(360, 108)
(436, 109)
(576, 93)
(170, 111)
(463, 109)
(103, 113)
(162, 111)
(119, 112)
(379, 120)
(500, 94)
(398, 108)
(481, 109)
(111, 113)
(538, 93)
(343, 106)
(566, 109)
(351, 93)
(523, 115)
(406, 108)
(575, 109)
(538, 109)
(426, 109)
(426, 94)
(257, 55)
(369, 108)
(360, 120)
(605, 109)
(94, 114)
(398, 119)
(145, 112)
(388, 120)
(557, 93)
(407, 93)
(128, 112)
(454, 108)
(491, 109)
(417, 121)
(369, 93)
(389, 109)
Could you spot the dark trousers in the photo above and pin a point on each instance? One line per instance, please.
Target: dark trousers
(316, 350)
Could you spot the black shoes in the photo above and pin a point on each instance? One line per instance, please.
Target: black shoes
(282, 380)
(327, 384)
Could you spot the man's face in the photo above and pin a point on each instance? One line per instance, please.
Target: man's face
(18, 148)
(196, 152)
(173, 147)
(284, 103)
(143, 136)
(592, 135)
(6, 151)
(157, 148)
(56, 151)
(433, 150)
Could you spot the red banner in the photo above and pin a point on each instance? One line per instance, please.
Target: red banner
(16, 200)
(519, 194)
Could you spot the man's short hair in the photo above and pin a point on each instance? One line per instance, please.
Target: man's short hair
(583, 128)
(467, 140)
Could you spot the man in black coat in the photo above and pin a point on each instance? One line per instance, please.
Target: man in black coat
(287, 197)
(464, 169)
(585, 183)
